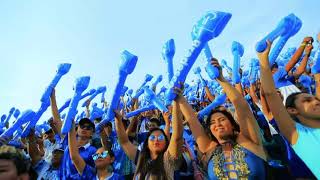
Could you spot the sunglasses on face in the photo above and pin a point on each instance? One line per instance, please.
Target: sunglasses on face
(86, 127)
(160, 137)
(102, 155)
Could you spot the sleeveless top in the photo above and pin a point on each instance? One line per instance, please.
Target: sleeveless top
(246, 165)
(307, 147)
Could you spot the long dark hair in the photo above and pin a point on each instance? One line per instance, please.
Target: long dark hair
(229, 116)
(146, 165)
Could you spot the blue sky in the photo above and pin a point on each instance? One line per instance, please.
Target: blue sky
(35, 36)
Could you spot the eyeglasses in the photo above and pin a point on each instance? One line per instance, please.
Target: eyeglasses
(160, 137)
(86, 127)
(102, 155)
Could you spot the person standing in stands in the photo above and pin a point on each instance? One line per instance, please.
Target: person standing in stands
(299, 119)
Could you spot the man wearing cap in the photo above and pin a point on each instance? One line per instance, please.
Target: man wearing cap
(84, 133)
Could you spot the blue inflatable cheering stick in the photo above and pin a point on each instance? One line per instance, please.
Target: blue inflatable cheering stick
(62, 70)
(81, 85)
(208, 27)
(16, 113)
(147, 78)
(224, 65)
(215, 103)
(152, 98)
(9, 116)
(101, 89)
(158, 80)
(3, 118)
(89, 93)
(168, 51)
(26, 116)
(44, 106)
(127, 65)
(65, 105)
(237, 51)
(162, 90)
(124, 90)
(141, 110)
(286, 28)
(197, 71)
(296, 26)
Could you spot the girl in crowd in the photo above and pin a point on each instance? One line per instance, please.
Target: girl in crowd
(234, 149)
(159, 157)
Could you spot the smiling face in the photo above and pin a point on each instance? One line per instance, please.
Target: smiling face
(157, 142)
(306, 106)
(220, 126)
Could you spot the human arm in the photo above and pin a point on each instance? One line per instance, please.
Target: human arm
(176, 140)
(202, 139)
(75, 156)
(248, 125)
(282, 117)
(126, 145)
(296, 56)
(209, 94)
(56, 121)
(166, 116)
(303, 64)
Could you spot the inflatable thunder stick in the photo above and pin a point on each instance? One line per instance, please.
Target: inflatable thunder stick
(286, 28)
(215, 103)
(197, 71)
(208, 27)
(141, 110)
(168, 51)
(9, 116)
(62, 70)
(127, 65)
(81, 85)
(101, 89)
(152, 98)
(43, 107)
(158, 80)
(16, 113)
(89, 93)
(237, 51)
(124, 90)
(26, 115)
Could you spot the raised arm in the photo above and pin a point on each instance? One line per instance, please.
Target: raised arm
(202, 139)
(264, 106)
(209, 94)
(166, 116)
(56, 121)
(252, 93)
(317, 79)
(126, 145)
(296, 56)
(176, 139)
(77, 160)
(303, 64)
(88, 108)
(32, 148)
(283, 119)
(248, 125)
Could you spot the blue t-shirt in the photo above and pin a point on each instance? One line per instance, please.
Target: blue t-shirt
(91, 173)
(280, 78)
(68, 169)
